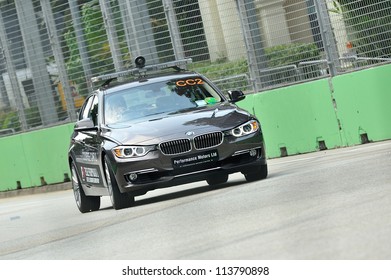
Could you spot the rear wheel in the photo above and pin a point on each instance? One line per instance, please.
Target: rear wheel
(217, 179)
(257, 174)
(118, 200)
(83, 202)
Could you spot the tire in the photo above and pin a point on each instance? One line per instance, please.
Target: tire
(259, 174)
(84, 203)
(118, 200)
(217, 179)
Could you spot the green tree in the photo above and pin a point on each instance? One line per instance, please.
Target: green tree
(369, 25)
(97, 44)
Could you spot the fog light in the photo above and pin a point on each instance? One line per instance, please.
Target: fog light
(253, 153)
(132, 177)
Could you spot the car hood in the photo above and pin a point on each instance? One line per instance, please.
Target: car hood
(163, 127)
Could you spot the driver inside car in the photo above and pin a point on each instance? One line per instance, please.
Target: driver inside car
(115, 107)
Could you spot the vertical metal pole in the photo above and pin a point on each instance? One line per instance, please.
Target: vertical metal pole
(129, 28)
(174, 29)
(77, 25)
(140, 29)
(12, 74)
(326, 32)
(111, 32)
(58, 56)
(252, 38)
(36, 61)
(126, 20)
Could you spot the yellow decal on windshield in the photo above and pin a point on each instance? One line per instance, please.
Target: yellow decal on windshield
(189, 82)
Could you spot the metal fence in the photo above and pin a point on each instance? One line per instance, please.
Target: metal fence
(51, 48)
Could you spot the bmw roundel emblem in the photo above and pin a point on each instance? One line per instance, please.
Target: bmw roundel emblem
(189, 133)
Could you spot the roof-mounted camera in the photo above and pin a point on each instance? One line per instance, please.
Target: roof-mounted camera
(141, 69)
(140, 61)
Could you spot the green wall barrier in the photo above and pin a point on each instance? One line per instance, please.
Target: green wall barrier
(34, 158)
(14, 165)
(346, 110)
(296, 119)
(364, 104)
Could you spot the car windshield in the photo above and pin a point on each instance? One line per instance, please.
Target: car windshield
(157, 98)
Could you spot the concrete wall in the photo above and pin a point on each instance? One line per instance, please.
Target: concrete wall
(29, 156)
(296, 119)
(337, 112)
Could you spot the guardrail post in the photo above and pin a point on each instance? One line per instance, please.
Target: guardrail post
(139, 31)
(174, 29)
(252, 37)
(36, 61)
(58, 56)
(9, 64)
(327, 35)
(111, 32)
(81, 41)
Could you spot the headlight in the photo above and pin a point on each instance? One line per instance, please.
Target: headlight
(245, 129)
(131, 151)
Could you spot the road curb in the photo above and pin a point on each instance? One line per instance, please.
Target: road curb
(36, 190)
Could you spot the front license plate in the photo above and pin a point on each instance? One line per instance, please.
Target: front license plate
(194, 159)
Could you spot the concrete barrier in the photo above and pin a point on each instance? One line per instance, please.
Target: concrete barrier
(296, 119)
(364, 104)
(34, 158)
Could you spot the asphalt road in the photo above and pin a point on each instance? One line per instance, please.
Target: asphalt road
(326, 205)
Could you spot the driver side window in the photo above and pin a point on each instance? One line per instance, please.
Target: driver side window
(90, 109)
(93, 113)
(86, 108)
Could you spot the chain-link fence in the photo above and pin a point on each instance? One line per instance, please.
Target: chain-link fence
(51, 48)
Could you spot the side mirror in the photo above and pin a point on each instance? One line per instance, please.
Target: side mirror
(236, 95)
(85, 124)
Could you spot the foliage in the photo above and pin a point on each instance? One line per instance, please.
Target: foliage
(100, 60)
(369, 22)
(33, 117)
(276, 56)
(73, 62)
(291, 54)
(336, 8)
(9, 119)
(160, 30)
(218, 70)
(95, 35)
(99, 54)
(224, 71)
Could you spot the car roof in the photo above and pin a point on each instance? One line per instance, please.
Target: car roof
(150, 79)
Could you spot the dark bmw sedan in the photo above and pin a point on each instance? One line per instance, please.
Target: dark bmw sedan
(160, 129)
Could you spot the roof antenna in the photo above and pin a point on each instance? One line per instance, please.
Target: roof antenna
(107, 83)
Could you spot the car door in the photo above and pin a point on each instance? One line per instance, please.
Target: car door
(87, 147)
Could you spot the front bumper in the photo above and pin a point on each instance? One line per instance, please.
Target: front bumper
(157, 170)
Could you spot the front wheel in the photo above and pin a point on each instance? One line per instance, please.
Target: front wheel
(256, 174)
(83, 202)
(118, 200)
